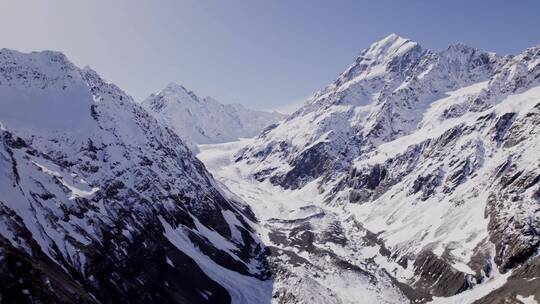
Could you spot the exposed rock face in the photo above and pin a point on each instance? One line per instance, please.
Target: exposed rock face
(101, 203)
(316, 235)
(523, 283)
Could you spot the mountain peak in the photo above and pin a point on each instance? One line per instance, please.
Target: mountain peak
(377, 61)
(205, 120)
(44, 53)
(173, 86)
(390, 46)
(48, 62)
(178, 92)
(392, 38)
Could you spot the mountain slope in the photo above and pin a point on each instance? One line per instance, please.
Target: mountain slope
(432, 156)
(100, 203)
(380, 97)
(204, 120)
(414, 177)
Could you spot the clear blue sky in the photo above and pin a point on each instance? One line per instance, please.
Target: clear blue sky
(263, 54)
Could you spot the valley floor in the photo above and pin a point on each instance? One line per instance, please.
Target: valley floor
(265, 199)
(275, 207)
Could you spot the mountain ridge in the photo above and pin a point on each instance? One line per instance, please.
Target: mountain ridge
(383, 99)
(86, 202)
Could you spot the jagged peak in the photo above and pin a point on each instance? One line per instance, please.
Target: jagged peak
(460, 47)
(372, 61)
(467, 55)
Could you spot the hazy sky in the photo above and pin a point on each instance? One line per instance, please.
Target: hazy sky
(263, 54)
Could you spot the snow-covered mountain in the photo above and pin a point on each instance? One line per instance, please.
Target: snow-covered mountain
(99, 203)
(414, 177)
(425, 166)
(205, 120)
(382, 96)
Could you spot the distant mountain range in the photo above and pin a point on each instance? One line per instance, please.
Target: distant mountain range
(204, 120)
